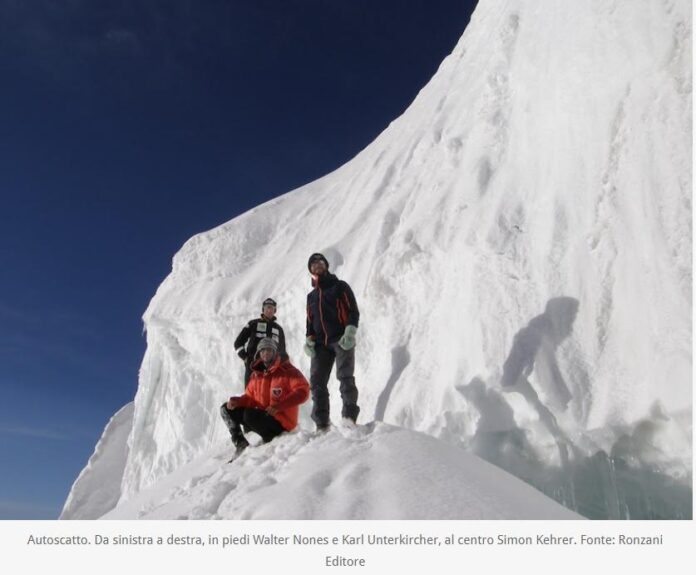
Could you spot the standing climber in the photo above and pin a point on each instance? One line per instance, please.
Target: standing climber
(332, 323)
(258, 328)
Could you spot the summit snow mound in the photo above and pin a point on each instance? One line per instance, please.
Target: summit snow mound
(375, 471)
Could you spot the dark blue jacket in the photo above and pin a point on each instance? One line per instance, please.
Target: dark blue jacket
(331, 306)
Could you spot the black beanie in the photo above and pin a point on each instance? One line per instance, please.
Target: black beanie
(317, 258)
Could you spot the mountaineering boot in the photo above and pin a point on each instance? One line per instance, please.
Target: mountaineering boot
(348, 422)
(240, 444)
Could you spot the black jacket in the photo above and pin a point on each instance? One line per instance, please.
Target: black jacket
(255, 331)
(331, 306)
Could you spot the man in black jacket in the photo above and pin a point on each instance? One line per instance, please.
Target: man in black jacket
(332, 322)
(254, 331)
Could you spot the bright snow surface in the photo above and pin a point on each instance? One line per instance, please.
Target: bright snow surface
(375, 471)
(519, 243)
(98, 487)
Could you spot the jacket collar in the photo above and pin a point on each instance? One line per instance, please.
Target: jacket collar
(326, 280)
(260, 367)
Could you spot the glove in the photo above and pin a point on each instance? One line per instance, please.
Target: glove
(242, 353)
(347, 341)
(309, 347)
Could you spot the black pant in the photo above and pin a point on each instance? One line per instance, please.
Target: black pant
(252, 419)
(320, 370)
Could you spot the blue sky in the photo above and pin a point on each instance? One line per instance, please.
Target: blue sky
(128, 127)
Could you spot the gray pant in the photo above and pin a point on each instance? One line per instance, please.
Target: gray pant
(322, 363)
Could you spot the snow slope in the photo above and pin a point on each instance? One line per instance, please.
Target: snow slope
(519, 242)
(375, 471)
(98, 487)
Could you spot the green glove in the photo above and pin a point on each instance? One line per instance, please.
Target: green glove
(348, 340)
(309, 347)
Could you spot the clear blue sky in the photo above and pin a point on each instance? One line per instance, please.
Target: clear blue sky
(129, 126)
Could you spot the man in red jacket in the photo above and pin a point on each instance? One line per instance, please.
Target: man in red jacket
(271, 401)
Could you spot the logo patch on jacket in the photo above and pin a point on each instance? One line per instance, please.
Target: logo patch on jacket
(277, 391)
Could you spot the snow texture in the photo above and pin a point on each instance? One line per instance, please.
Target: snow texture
(519, 243)
(98, 487)
(376, 471)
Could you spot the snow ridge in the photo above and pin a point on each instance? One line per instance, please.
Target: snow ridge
(98, 487)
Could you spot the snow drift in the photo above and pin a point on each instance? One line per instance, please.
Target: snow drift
(98, 487)
(375, 471)
(519, 243)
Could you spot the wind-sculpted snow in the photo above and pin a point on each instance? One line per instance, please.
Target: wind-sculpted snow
(98, 487)
(375, 471)
(519, 243)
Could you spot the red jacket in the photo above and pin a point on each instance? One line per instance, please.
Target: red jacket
(282, 386)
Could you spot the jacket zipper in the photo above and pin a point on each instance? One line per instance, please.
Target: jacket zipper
(321, 319)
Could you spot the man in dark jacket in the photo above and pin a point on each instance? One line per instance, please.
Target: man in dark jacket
(332, 322)
(255, 331)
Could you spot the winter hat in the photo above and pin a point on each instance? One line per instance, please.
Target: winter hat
(267, 343)
(269, 301)
(317, 258)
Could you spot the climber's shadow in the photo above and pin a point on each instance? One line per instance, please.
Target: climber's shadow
(534, 349)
